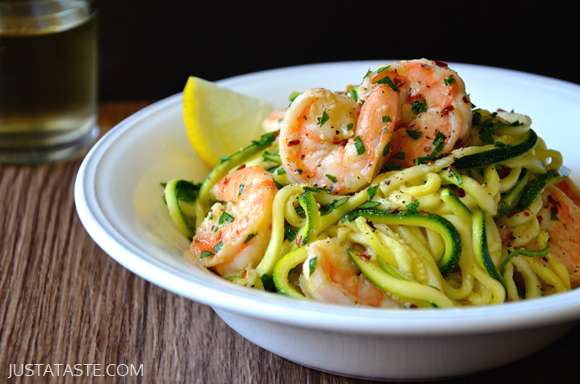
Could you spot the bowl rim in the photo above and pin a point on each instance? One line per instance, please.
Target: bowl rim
(227, 296)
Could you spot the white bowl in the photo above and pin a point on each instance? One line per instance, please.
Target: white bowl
(118, 199)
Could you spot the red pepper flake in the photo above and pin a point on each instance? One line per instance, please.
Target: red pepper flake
(460, 192)
(446, 110)
(526, 213)
(503, 171)
(398, 81)
(553, 201)
(298, 240)
(292, 143)
(365, 257)
(466, 99)
(241, 167)
(413, 306)
(441, 64)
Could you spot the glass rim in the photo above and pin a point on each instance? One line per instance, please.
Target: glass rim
(30, 17)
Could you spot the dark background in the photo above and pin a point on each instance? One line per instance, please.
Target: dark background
(148, 48)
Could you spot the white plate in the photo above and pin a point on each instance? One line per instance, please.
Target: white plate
(118, 199)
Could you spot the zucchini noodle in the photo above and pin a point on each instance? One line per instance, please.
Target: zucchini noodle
(465, 229)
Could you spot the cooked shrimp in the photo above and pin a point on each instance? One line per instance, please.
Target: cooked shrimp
(560, 216)
(436, 111)
(328, 140)
(235, 233)
(273, 121)
(329, 275)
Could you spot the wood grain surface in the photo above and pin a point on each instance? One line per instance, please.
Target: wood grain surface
(63, 300)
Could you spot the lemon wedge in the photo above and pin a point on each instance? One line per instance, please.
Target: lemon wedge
(219, 121)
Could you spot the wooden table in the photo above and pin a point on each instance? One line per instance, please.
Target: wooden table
(63, 300)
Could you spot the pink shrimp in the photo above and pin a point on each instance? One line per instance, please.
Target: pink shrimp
(436, 111)
(236, 231)
(560, 216)
(335, 278)
(328, 140)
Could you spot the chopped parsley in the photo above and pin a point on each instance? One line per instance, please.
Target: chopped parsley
(367, 74)
(290, 232)
(312, 265)
(372, 191)
(453, 174)
(387, 80)
(413, 206)
(293, 96)
(438, 143)
(360, 147)
(437, 148)
(249, 237)
(353, 94)
(349, 126)
(205, 254)
(225, 218)
(419, 106)
(488, 123)
(331, 178)
(387, 119)
(554, 214)
(386, 149)
(280, 171)
(218, 247)
(414, 134)
(448, 81)
(241, 189)
(263, 141)
(323, 119)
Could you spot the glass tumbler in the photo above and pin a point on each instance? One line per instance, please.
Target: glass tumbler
(48, 79)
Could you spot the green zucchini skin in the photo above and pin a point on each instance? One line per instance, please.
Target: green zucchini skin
(308, 232)
(439, 224)
(534, 188)
(481, 249)
(230, 162)
(175, 193)
(387, 282)
(523, 252)
(511, 199)
(283, 267)
(497, 155)
(456, 205)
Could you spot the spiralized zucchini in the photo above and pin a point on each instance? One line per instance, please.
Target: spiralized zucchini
(430, 235)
